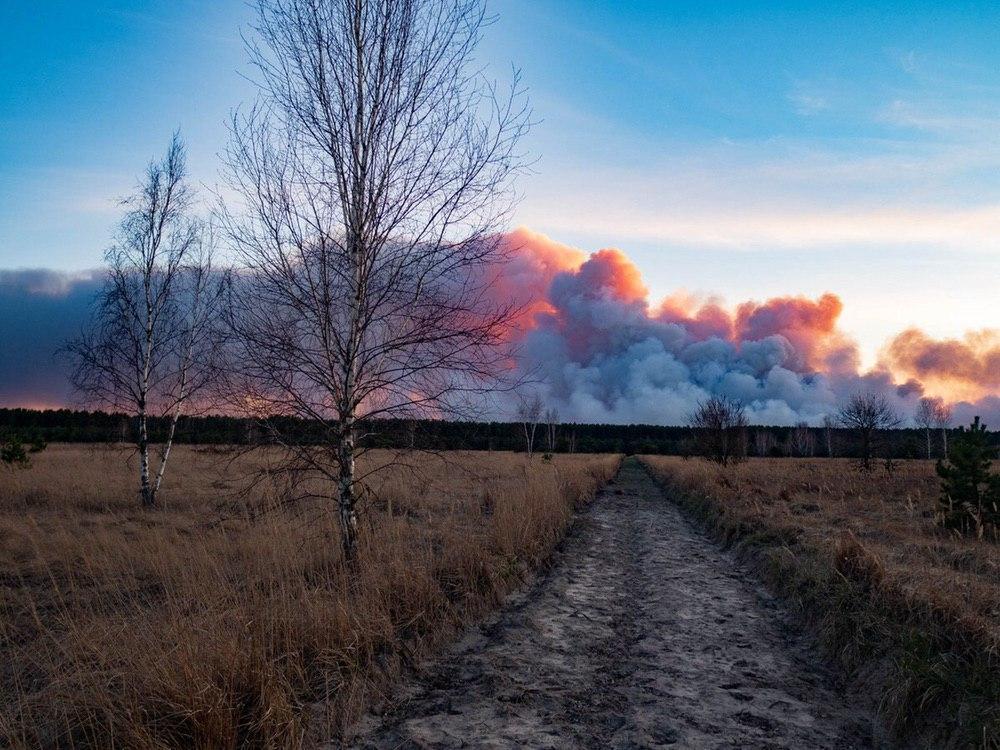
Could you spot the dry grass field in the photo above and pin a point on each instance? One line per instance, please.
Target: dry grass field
(910, 610)
(198, 625)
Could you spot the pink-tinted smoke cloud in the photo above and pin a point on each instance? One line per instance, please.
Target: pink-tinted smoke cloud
(604, 353)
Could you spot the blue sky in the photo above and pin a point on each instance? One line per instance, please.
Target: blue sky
(742, 149)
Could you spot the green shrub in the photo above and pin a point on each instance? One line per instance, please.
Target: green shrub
(970, 492)
(12, 451)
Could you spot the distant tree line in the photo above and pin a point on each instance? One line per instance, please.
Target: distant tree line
(65, 425)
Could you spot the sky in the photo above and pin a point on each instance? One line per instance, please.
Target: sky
(738, 150)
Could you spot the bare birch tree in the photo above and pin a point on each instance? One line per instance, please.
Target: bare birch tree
(720, 430)
(149, 347)
(529, 413)
(764, 442)
(373, 175)
(925, 417)
(828, 424)
(552, 427)
(802, 441)
(943, 416)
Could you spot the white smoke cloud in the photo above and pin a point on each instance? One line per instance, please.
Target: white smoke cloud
(603, 354)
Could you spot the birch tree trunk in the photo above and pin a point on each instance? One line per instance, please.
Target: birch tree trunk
(146, 495)
(346, 498)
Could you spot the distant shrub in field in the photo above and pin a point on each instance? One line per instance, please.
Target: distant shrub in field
(13, 452)
(720, 430)
(970, 492)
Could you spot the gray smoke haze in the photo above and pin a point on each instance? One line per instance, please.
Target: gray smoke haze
(39, 310)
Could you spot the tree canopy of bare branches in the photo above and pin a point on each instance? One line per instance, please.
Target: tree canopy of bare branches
(720, 426)
(764, 442)
(868, 413)
(149, 349)
(374, 173)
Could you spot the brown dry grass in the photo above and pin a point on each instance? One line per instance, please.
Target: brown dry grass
(196, 626)
(862, 556)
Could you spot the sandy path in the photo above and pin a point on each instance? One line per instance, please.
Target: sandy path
(643, 634)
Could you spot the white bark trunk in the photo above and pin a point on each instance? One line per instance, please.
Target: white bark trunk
(346, 499)
(146, 494)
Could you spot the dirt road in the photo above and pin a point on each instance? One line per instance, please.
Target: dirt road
(642, 635)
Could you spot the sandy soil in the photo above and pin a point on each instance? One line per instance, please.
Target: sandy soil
(643, 634)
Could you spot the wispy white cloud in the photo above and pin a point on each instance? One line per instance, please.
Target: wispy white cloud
(807, 101)
(808, 104)
(906, 60)
(784, 194)
(981, 123)
(973, 229)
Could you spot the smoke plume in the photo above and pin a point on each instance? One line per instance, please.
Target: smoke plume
(603, 353)
(952, 369)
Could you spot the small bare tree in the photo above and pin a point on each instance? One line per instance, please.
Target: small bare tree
(802, 440)
(552, 426)
(828, 423)
(868, 413)
(763, 442)
(943, 416)
(925, 417)
(720, 426)
(374, 176)
(150, 346)
(529, 414)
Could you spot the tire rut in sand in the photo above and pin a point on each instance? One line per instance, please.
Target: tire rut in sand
(643, 634)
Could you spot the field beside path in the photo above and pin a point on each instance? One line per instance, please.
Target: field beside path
(208, 623)
(910, 611)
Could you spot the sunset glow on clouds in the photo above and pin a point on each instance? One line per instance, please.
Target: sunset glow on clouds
(954, 369)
